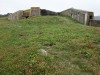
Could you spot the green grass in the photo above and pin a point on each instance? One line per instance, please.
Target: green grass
(73, 48)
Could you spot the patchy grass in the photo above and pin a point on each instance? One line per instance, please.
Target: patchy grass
(73, 48)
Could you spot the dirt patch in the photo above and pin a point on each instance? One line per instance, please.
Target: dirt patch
(93, 45)
(1, 56)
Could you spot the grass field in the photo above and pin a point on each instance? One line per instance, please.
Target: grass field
(72, 48)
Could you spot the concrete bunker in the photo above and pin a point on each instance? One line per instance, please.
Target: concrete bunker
(79, 15)
(33, 11)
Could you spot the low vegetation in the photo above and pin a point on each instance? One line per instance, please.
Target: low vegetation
(71, 48)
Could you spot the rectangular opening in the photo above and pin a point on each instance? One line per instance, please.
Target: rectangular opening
(90, 17)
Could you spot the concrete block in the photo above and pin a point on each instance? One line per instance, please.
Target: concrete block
(35, 11)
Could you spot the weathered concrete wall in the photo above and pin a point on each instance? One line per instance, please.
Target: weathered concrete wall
(79, 15)
(47, 12)
(26, 13)
(19, 15)
(16, 16)
(35, 11)
(95, 23)
(10, 16)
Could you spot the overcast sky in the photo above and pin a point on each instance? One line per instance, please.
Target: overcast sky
(8, 6)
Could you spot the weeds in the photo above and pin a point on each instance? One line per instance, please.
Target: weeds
(72, 48)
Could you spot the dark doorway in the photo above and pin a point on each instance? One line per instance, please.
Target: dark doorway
(26, 16)
(90, 17)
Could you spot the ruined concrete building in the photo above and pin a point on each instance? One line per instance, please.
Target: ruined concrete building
(33, 11)
(80, 15)
(24, 13)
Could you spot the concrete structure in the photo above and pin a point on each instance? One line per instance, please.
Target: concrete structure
(16, 16)
(47, 12)
(79, 15)
(84, 17)
(95, 23)
(33, 11)
(25, 13)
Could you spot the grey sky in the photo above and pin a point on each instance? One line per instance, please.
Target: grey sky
(8, 6)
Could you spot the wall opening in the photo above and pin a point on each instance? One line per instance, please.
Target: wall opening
(71, 15)
(90, 17)
(26, 16)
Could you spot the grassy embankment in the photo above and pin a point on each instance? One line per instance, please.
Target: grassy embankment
(72, 48)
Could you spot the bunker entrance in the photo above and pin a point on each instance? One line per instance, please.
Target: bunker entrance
(26, 16)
